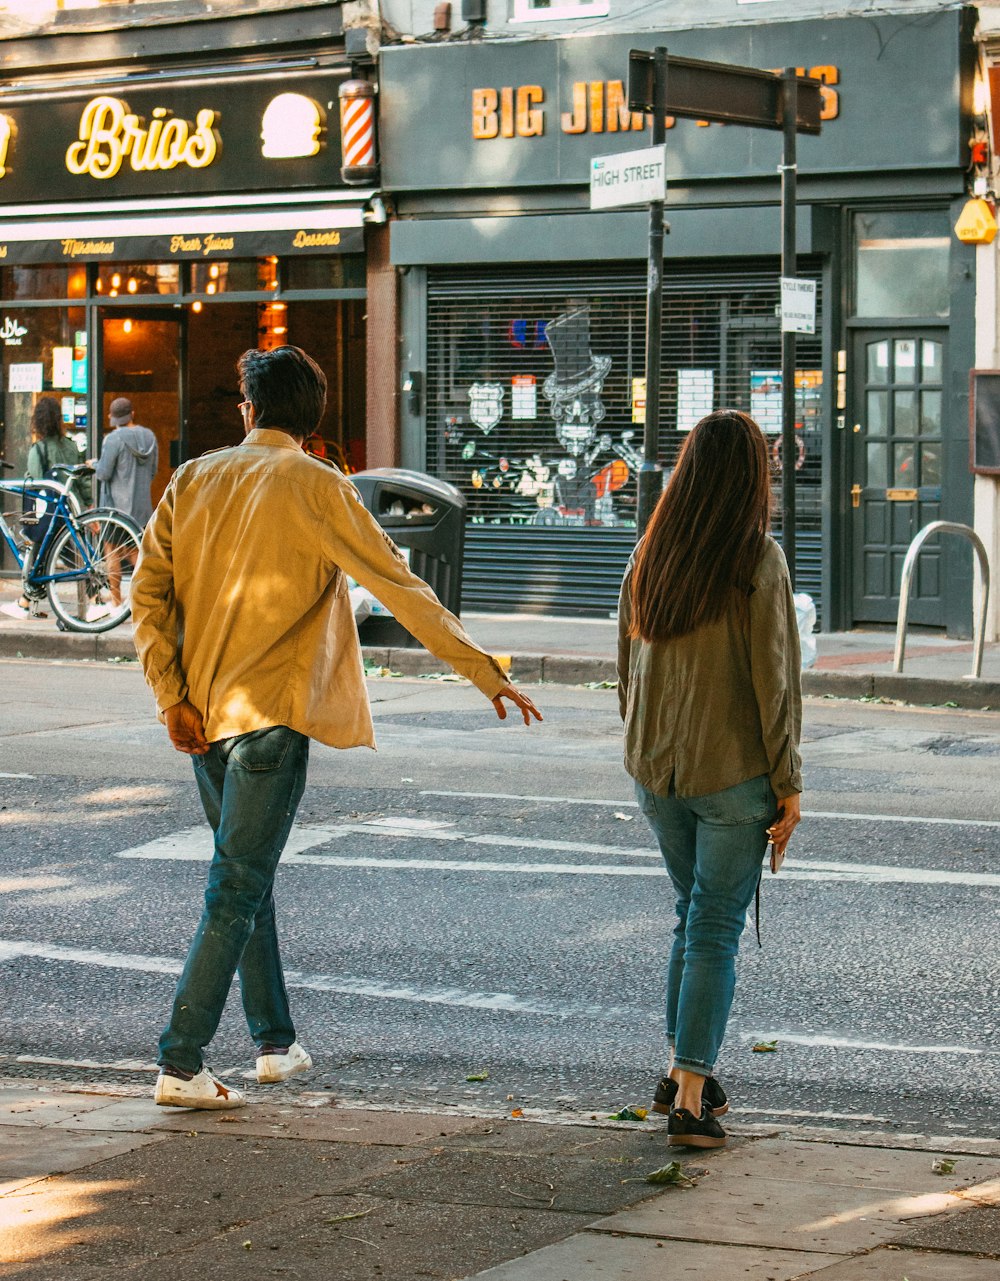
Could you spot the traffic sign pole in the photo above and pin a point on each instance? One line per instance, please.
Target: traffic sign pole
(789, 453)
(650, 473)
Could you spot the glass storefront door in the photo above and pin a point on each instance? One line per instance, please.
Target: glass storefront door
(141, 357)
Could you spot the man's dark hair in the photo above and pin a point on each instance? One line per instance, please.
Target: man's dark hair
(286, 388)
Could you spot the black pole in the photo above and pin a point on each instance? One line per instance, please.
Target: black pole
(650, 473)
(788, 269)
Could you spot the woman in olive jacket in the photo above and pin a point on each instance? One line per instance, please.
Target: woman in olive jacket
(709, 687)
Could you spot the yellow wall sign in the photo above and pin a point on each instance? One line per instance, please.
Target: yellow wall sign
(595, 106)
(109, 133)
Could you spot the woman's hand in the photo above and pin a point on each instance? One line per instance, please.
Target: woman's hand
(789, 816)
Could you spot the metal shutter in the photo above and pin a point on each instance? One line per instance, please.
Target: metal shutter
(541, 539)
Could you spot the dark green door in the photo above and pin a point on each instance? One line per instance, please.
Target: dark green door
(896, 469)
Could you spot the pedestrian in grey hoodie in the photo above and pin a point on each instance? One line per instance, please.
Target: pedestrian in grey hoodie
(128, 462)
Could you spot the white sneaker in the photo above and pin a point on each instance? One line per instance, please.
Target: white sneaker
(203, 1091)
(276, 1066)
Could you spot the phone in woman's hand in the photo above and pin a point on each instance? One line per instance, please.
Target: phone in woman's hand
(776, 859)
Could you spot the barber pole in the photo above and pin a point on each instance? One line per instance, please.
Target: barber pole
(357, 131)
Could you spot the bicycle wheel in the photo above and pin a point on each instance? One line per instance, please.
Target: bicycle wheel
(90, 567)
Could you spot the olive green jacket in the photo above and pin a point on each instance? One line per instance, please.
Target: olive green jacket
(721, 705)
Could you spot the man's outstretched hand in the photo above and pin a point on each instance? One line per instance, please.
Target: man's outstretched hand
(186, 728)
(528, 708)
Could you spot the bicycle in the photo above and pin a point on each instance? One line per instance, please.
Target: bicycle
(83, 561)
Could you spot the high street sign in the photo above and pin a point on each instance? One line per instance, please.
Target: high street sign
(731, 95)
(628, 178)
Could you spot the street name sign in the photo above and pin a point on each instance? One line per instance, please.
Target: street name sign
(628, 178)
(729, 95)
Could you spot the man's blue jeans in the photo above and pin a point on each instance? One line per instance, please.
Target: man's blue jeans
(713, 847)
(250, 787)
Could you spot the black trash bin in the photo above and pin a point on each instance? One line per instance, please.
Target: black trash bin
(425, 518)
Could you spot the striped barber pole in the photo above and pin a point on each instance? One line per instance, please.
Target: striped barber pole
(357, 131)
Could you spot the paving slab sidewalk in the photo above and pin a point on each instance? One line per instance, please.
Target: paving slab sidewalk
(92, 1182)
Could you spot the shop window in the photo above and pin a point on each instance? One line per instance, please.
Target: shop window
(342, 271)
(44, 282)
(536, 399)
(44, 352)
(550, 10)
(137, 279)
(240, 275)
(902, 264)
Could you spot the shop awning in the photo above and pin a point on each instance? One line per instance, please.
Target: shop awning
(229, 227)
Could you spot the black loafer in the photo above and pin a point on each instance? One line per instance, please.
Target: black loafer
(684, 1130)
(712, 1094)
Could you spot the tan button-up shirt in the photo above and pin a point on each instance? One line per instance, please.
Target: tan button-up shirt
(721, 705)
(241, 604)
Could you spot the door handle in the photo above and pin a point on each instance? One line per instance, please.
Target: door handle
(855, 495)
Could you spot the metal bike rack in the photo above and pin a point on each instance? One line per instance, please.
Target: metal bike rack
(909, 564)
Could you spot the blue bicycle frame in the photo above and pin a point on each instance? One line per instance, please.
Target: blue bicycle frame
(62, 514)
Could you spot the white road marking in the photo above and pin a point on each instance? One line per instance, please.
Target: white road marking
(343, 985)
(847, 1043)
(120, 1065)
(4, 774)
(847, 817)
(195, 844)
(816, 1116)
(474, 865)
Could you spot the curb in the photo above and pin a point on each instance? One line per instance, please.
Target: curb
(553, 669)
(968, 693)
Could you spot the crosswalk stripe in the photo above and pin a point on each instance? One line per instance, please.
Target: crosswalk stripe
(194, 844)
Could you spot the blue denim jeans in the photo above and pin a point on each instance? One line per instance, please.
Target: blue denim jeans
(250, 788)
(713, 847)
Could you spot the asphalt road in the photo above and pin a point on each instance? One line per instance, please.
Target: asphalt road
(481, 898)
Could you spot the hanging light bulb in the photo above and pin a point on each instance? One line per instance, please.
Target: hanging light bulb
(197, 305)
(211, 287)
(127, 326)
(116, 281)
(133, 284)
(213, 271)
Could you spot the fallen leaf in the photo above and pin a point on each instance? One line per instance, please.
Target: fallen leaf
(247, 1245)
(625, 818)
(600, 685)
(765, 1047)
(943, 1165)
(343, 1218)
(629, 1114)
(517, 1112)
(666, 1174)
(479, 1076)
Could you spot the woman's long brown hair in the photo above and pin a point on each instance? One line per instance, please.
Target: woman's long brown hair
(706, 535)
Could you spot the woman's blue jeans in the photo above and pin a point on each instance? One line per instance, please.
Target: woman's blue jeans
(713, 847)
(250, 788)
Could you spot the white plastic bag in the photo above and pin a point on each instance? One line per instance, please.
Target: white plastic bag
(361, 603)
(805, 615)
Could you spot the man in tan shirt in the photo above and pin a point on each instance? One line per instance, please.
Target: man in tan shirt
(246, 635)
